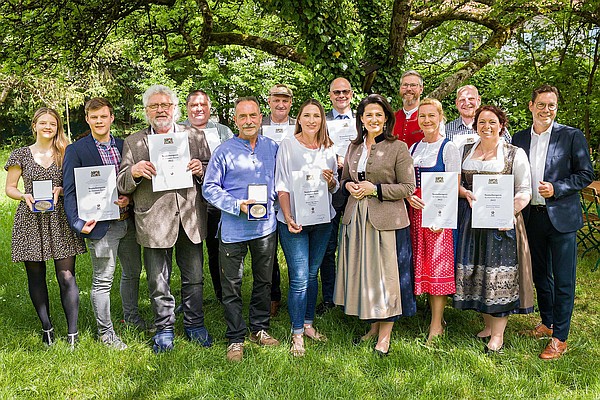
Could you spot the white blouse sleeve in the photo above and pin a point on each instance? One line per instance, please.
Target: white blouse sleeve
(282, 170)
(522, 173)
(451, 157)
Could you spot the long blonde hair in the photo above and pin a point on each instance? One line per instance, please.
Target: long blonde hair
(60, 140)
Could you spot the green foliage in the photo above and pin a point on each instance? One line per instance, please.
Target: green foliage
(453, 368)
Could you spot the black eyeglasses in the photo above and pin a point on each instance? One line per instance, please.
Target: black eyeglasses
(345, 92)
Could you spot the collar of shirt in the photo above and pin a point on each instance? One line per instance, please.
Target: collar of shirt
(110, 143)
(336, 114)
(547, 131)
(409, 113)
(462, 122)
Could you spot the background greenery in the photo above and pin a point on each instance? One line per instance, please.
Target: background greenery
(453, 368)
(62, 53)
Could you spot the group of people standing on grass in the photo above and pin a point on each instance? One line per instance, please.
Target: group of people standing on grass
(245, 194)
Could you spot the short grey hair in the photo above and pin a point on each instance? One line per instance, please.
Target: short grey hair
(162, 89)
(412, 72)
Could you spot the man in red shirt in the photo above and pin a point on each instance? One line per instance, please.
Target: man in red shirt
(407, 127)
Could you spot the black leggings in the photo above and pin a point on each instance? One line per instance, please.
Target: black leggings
(69, 292)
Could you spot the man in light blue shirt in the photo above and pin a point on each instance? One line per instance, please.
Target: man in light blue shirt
(247, 159)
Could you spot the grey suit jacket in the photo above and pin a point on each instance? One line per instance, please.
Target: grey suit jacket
(159, 214)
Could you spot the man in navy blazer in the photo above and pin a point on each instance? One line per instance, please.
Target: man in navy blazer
(560, 168)
(105, 239)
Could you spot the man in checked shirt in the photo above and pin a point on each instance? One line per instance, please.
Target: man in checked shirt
(105, 239)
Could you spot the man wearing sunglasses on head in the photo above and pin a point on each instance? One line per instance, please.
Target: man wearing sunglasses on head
(407, 126)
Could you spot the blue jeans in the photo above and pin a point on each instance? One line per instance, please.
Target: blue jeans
(304, 252)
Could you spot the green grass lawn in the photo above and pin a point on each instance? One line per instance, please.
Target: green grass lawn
(455, 368)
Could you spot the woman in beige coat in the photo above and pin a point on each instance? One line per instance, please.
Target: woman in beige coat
(374, 278)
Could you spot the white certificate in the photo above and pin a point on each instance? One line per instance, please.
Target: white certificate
(258, 192)
(494, 207)
(311, 202)
(43, 198)
(439, 192)
(96, 189)
(212, 137)
(170, 154)
(42, 190)
(461, 140)
(341, 133)
(278, 132)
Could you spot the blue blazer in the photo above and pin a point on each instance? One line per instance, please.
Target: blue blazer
(568, 168)
(82, 153)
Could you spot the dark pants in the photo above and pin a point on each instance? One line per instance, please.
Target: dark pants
(554, 259)
(328, 266)
(232, 256)
(276, 277)
(212, 248)
(158, 264)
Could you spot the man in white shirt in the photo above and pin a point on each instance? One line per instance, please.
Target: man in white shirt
(280, 103)
(560, 168)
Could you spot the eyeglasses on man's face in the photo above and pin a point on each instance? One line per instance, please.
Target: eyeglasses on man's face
(344, 92)
(551, 106)
(410, 85)
(154, 107)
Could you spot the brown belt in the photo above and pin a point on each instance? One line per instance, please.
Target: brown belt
(123, 216)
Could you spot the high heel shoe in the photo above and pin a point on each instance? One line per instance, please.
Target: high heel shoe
(72, 339)
(48, 336)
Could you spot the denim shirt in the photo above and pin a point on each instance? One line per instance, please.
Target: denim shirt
(232, 167)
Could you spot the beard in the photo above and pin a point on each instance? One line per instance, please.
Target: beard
(161, 124)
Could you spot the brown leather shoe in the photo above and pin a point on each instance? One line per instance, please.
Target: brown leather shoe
(540, 331)
(274, 308)
(554, 350)
(235, 352)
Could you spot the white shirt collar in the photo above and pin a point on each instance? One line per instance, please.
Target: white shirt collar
(409, 113)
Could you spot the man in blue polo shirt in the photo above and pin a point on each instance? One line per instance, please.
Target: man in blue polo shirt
(245, 160)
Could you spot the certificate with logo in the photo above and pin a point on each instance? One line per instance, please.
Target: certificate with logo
(311, 201)
(278, 132)
(439, 192)
(170, 154)
(342, 132)
(494, 207)
(43, 197)
(96, 189)
(212, 137)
